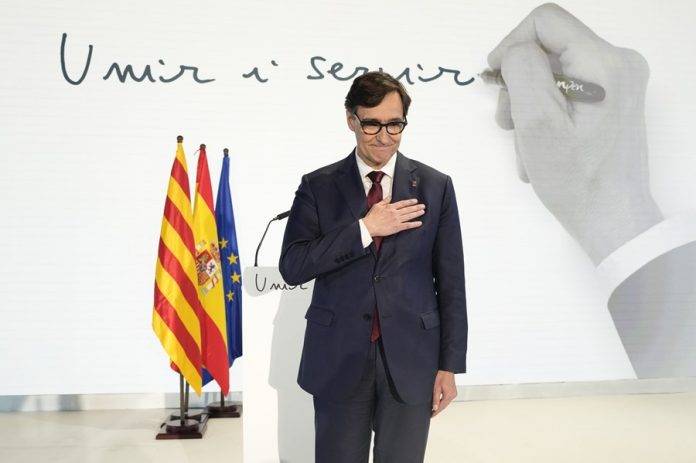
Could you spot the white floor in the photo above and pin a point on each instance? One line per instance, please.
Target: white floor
(118, 436)
(638, 428)
(632, 428)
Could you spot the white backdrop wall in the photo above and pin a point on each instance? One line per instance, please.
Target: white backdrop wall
(83, 172)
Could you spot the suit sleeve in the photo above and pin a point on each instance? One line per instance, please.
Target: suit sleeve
(448, 268)
(306, 252)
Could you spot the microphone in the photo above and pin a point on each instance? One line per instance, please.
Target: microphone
(280, 216)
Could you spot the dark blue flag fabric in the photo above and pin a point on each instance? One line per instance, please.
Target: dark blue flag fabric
(231, 266)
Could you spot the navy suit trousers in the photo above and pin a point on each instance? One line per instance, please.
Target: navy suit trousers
(344, 428)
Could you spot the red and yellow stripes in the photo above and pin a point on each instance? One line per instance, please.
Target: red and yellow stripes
(177, 308)
(210, 283)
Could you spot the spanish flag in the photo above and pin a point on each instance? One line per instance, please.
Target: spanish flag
(210, 283)
(177, 309)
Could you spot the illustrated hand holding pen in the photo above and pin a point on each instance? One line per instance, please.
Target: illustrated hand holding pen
(576, 104)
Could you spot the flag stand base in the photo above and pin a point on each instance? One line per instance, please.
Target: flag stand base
(193, 427)
(222, 410)
(218, 410)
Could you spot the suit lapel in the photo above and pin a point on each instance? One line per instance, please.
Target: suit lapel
(404, 186)
(351, 187)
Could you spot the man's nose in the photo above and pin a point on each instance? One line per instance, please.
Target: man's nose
(383, 136)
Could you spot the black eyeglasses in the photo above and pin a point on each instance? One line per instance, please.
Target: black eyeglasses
(372, 127)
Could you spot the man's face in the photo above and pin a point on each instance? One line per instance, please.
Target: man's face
(377, 149)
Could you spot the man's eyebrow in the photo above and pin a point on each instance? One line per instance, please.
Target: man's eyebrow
(393, 119)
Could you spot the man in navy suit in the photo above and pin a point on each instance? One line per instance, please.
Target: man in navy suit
(387, 326)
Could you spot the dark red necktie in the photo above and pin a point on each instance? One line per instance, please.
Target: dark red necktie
(375, 196)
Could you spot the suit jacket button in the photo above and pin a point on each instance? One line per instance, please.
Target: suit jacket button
(367, 316)
(377, 278)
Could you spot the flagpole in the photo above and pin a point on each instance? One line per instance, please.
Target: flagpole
(225, 153)
(187, 399)
(182, 415)
(198, 416)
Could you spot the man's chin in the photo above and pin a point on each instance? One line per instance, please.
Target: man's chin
(383, 155)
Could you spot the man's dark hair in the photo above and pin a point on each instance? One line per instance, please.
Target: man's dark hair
(369, 90)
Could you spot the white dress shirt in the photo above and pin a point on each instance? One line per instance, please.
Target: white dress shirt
(387, 181)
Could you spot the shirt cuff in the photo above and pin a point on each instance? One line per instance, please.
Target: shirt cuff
(364, 234)
(659, 239)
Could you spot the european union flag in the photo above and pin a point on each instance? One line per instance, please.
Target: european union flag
(231, 266)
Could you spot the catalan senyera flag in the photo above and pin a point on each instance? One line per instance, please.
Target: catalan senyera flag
(177, 309)
(210, 284)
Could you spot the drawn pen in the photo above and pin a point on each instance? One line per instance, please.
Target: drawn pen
(574, 89)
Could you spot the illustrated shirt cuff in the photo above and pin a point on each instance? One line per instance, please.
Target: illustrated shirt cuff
(659, 239)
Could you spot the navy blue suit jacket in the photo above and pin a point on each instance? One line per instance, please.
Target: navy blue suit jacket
(416, 281)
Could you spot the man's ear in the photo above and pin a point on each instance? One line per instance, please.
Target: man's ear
(350, 120)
